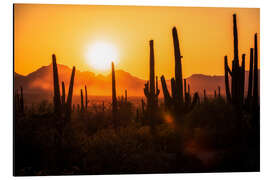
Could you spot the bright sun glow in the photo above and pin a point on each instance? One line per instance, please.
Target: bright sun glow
(100, 55)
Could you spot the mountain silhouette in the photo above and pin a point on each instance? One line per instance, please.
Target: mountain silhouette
(40, 82)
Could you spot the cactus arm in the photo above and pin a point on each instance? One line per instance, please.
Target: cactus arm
(227, 88)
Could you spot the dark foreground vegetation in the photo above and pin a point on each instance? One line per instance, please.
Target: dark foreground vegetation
(181, 132)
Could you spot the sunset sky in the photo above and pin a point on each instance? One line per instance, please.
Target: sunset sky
(69, 30)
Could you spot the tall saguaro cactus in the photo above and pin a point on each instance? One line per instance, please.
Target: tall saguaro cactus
(82, 105)
(125, 96)
(250, 78)
(178, 68)
(86, 98)
(114, 99)
(236, 96)
(151, 92)
(256, 82)
(63, 94)
(237, 93)
(57, 101)
(70, 92)
(242, 85)
(176, 102)
(61, 107)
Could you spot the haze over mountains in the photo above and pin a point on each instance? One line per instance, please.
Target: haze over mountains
(41, 82)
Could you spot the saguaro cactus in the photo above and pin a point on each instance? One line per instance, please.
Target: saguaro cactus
(86, 98)
(62, 107)
(178, 68)
(157, 90)
(63, 95)
(151, 92)
(82, 105)
(125, 96)
(57, 101)
(166, 94)
(114, 99)
(103, 106)
(237, 73)
(70, 93)
(250, 78)
(227, 71)
(256, 83)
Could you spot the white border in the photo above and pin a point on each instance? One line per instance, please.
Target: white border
(7, 71)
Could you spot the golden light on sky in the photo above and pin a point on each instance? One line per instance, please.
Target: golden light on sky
(100, 55)
(70, 31)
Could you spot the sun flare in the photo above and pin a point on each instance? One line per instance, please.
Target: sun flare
(100, 55)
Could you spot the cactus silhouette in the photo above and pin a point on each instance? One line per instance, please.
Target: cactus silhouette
(78, 108)
(82, 105)
(166, 94)
(242, 90)
(150, 91)
(125, 96)
(173, 90)
(256, 83)
(178, 68)
(237, 73)
(157, 90)
(63, 95)
(237, 93)
(176, 99)
(227, 72)
(70, 93)
(196, 100)
(114, 99)
(86, 100)
(62, 107)
(57, 101)
(250, 78)
(103, 107)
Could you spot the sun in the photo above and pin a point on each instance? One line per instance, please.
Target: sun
(100, 55)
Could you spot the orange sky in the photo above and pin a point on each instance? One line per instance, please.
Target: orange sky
(68, 30)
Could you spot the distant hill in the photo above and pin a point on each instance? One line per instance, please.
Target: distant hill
(40, 82)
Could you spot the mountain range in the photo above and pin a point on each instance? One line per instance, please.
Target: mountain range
(40, 82)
